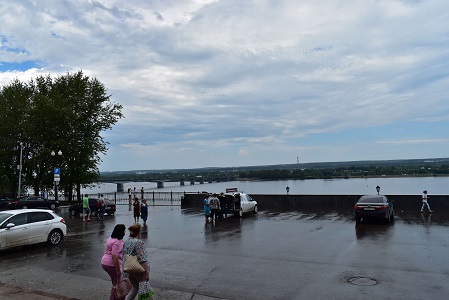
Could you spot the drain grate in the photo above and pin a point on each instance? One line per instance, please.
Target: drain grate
(365, 281)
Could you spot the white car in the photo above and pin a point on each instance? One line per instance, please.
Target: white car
(21, 227)
(239, 203)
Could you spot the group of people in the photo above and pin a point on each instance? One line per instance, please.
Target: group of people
(87, 210)
(215, 206)
(112, 260)
(140, 210)
(132, 194)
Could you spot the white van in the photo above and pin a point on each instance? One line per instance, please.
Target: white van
(239, 203)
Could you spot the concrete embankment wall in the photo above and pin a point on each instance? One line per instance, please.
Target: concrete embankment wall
(325, 202)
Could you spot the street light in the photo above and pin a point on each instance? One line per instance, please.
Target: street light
(56, 174)
(378, 189)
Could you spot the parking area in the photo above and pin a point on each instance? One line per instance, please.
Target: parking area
(271, 255)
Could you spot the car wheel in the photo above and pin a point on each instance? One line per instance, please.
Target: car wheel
(241, 213)
(55, 237)
(255, 209)
(73, 212)
(52, 206)
(24, 207)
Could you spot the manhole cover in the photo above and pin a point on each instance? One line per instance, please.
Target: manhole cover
(363, 281)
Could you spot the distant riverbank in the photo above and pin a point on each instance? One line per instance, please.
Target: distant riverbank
(338, 186)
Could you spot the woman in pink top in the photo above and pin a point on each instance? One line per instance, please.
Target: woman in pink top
(112, 258)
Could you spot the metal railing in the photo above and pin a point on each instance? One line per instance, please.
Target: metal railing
(153, 197)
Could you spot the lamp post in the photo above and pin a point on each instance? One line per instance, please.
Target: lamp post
(19, 167)
(378, 189)
(56, 173)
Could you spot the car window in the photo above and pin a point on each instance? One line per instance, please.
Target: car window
(4, 216)
(93, 202)
(249, 198)
(39, 216)
(19, 219)
(371, 200)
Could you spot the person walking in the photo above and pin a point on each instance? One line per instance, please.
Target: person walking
(224, 205)
(144, 211)
(134, 246)
(214, 207)
(129, 196)
(102, 204)
(424, 202)
(136, 206)
(111, 261)
(86, 208)
(206, 208)
(142, 192)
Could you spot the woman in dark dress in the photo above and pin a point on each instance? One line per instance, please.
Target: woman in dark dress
(136, 206)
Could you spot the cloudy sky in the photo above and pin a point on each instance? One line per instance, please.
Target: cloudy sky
(215, 83)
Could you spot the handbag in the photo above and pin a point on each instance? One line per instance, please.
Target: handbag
(131, 264)
(145, 291)
(122, 288)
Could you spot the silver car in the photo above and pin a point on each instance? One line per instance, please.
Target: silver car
(30, 226)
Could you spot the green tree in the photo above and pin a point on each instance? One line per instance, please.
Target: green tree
(66, 114)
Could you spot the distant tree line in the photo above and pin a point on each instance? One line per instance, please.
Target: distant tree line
(45, 117)
(287, 172)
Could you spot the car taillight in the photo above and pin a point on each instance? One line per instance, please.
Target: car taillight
(62, 221)
(381, 207)
(15, 202)
(357, 207)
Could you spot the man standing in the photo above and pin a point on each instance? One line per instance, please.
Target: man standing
(86, 208)
(224, 205)
(214, 207)
(142, 192)
(102, 207)
(424, 202)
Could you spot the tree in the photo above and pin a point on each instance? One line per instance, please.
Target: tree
(66, 114)
(14, 104)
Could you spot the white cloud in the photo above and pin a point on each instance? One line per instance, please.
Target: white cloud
(210, 83)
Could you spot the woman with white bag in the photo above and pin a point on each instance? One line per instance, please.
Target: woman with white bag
(135, 247)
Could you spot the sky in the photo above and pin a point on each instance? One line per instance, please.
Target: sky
(215, 83)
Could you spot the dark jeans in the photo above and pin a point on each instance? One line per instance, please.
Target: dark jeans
(114, 278)
(214, 214)
(101, 213)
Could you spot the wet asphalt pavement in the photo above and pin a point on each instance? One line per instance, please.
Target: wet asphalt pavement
(272, 255)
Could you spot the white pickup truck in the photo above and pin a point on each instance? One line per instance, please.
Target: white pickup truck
(239, 203)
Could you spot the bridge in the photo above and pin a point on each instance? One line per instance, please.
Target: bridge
(160, 183)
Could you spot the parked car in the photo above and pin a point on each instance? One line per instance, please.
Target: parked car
(30, 226)
(239, 203)
(33, 202)
(5, 202)
(376, 206)
(76, 209)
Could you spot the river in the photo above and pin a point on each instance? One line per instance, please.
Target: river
(352, 186)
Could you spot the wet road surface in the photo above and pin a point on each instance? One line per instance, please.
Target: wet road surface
(272, 255)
